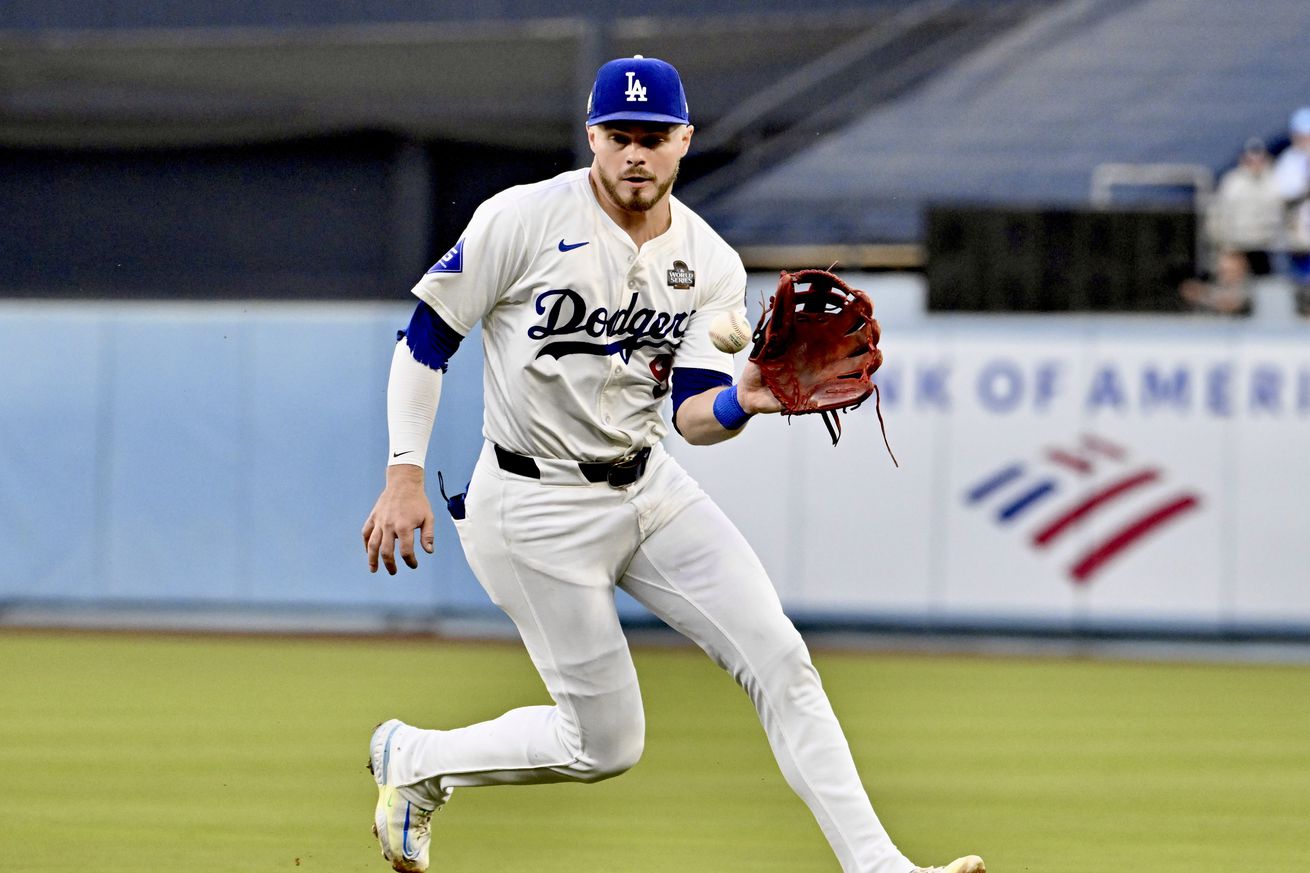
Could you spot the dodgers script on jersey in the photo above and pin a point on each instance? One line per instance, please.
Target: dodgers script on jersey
(581, 328)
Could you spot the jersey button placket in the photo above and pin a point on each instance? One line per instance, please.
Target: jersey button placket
(616, 367)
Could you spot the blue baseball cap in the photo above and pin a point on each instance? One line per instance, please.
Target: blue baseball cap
(637, 89)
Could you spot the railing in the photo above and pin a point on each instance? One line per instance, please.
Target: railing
(1107, 177)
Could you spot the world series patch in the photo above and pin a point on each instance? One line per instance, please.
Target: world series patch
(682, 276)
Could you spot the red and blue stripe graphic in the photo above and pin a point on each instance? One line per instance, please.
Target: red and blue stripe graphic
(1019, 488)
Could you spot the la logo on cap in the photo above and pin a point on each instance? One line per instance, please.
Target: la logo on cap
(635, 90)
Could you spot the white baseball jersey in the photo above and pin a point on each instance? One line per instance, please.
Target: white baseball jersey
(581, 328)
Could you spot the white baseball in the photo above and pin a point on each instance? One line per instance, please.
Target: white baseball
(730, 332)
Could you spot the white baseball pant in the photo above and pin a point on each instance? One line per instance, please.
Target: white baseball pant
(549, 552)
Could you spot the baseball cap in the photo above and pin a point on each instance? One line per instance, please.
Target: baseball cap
(637, 89)
(1300, 123)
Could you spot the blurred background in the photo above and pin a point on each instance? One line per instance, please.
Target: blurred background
(1078, 219)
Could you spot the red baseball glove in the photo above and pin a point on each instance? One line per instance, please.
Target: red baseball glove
(817, 347)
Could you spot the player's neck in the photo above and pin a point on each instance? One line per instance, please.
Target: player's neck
(641, 227)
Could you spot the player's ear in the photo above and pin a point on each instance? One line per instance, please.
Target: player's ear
(593, 131)
(687, 131)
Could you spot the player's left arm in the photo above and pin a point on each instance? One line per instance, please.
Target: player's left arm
(721, 413)
(707, 407)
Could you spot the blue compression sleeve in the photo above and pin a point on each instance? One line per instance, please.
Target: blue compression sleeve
(690, 381)
(431, 341)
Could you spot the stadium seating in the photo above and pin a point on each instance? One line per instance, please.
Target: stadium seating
(1028, 117)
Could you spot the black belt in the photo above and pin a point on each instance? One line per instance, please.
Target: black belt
(618, 473)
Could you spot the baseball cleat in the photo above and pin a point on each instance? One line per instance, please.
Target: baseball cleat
(403, 828)
(967, 864)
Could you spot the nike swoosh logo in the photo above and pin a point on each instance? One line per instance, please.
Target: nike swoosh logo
(398, 454)
(568, 247)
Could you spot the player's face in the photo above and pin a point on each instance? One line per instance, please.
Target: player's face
(637, 162)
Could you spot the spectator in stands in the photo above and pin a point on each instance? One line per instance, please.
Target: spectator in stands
(1292, 176)
(1228, 292)
(1246, 214)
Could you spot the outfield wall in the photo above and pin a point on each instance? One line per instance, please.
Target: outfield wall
(1057, 473)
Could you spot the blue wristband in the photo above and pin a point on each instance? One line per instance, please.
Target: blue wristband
(728, 411)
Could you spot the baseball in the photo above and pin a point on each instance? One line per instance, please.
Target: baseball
(729, 332)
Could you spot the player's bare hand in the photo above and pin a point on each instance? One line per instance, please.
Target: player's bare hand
(753, 395)
(402, 508)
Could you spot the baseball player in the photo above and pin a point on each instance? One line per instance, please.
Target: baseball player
(595, 290)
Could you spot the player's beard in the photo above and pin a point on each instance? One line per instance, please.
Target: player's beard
(639, 201)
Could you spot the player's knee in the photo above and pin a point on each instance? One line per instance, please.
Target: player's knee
(787, 676)
(794, 686)
(611, 755)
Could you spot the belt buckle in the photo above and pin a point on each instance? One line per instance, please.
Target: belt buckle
(626, 470)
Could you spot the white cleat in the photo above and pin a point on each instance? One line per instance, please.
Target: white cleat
(967, 864)
(403, 828)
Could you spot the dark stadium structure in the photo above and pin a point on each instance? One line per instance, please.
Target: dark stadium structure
(297, 150)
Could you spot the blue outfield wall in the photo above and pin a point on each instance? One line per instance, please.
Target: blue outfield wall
(212, 455)
(212, 464)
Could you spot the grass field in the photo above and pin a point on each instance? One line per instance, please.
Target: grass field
(149, 753)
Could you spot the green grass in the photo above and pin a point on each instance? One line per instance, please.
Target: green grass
(126, 753)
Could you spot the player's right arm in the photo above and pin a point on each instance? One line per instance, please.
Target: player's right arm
(413, 391)
(454, 295)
